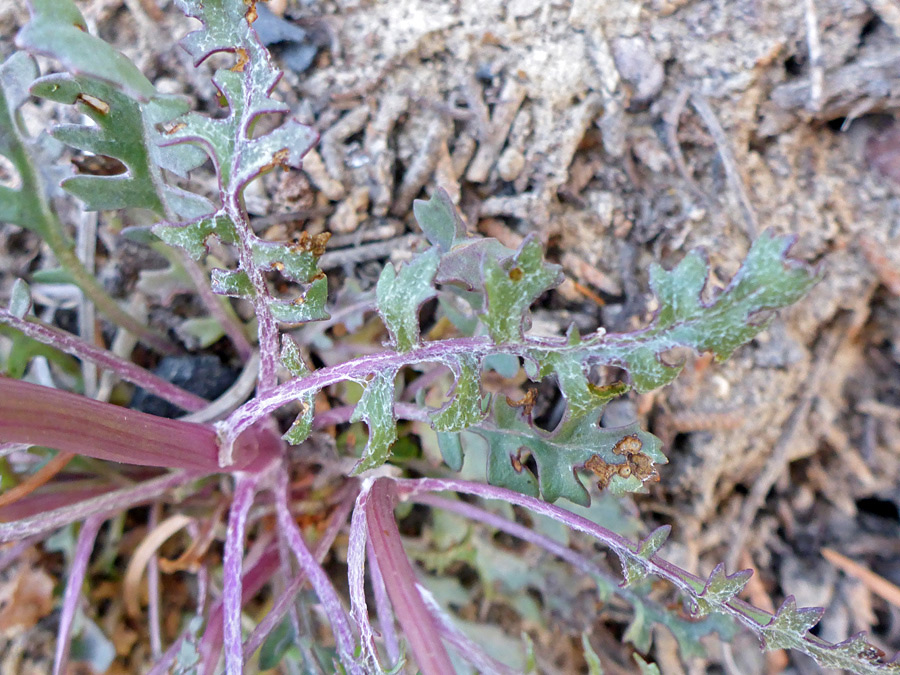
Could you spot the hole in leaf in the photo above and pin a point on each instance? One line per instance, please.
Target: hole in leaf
(99, 165)
(549, 405)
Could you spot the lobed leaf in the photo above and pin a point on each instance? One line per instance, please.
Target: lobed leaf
(296, 366)
(466, 406)
(512, 286)
(192, 235)
(21, 204)
(399, 295)
(767, 280)
(720, 589)
(622, 458)
(789, 625)
(376, 409)
(119, 133)
(57, 29)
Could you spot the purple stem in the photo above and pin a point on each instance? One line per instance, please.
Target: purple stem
(356, 576)
(515, 529)
(383, 608)
(161, 667)
(318, 579)
(467, 648)
(83, 548)
(285, 602)
(418, 625)
(253, 580)
(244, 493)
(269, 348)
(268, 402)
(690, 584)
(118, 500)
(70, 344)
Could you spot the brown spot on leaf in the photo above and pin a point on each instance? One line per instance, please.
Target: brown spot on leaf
(168, 131)
(99, 165)
(251, 14)
(242, 60)
(279, 158)
(516, 274)
(310, 244)
(526, 402)
(94, 103)
(601, 470)
(628, 445)
(518, 460)
(636, 463)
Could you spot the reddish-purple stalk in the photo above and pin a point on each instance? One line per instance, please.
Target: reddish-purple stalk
(467, 648)
(318, 579)
(356, 576)
(419, 627)
(75, 346)
(245, 487)
(77, 571)
(30, 413)
(114, 501)
(383, 608)
(284, 602)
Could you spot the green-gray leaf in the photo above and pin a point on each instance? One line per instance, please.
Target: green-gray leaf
(376, 409)
(400, 294)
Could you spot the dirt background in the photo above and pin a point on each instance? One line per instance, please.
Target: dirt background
(621, 133)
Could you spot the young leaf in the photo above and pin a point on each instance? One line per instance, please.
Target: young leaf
(789, 625)
(440, 220)
(634, 570)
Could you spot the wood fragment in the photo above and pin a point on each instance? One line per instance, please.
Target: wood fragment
(381, 155)
(422, 166)
(511, 97)
(314, 168)
(816, 61)
(332, 144)
(876, 583)
(732, 172)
